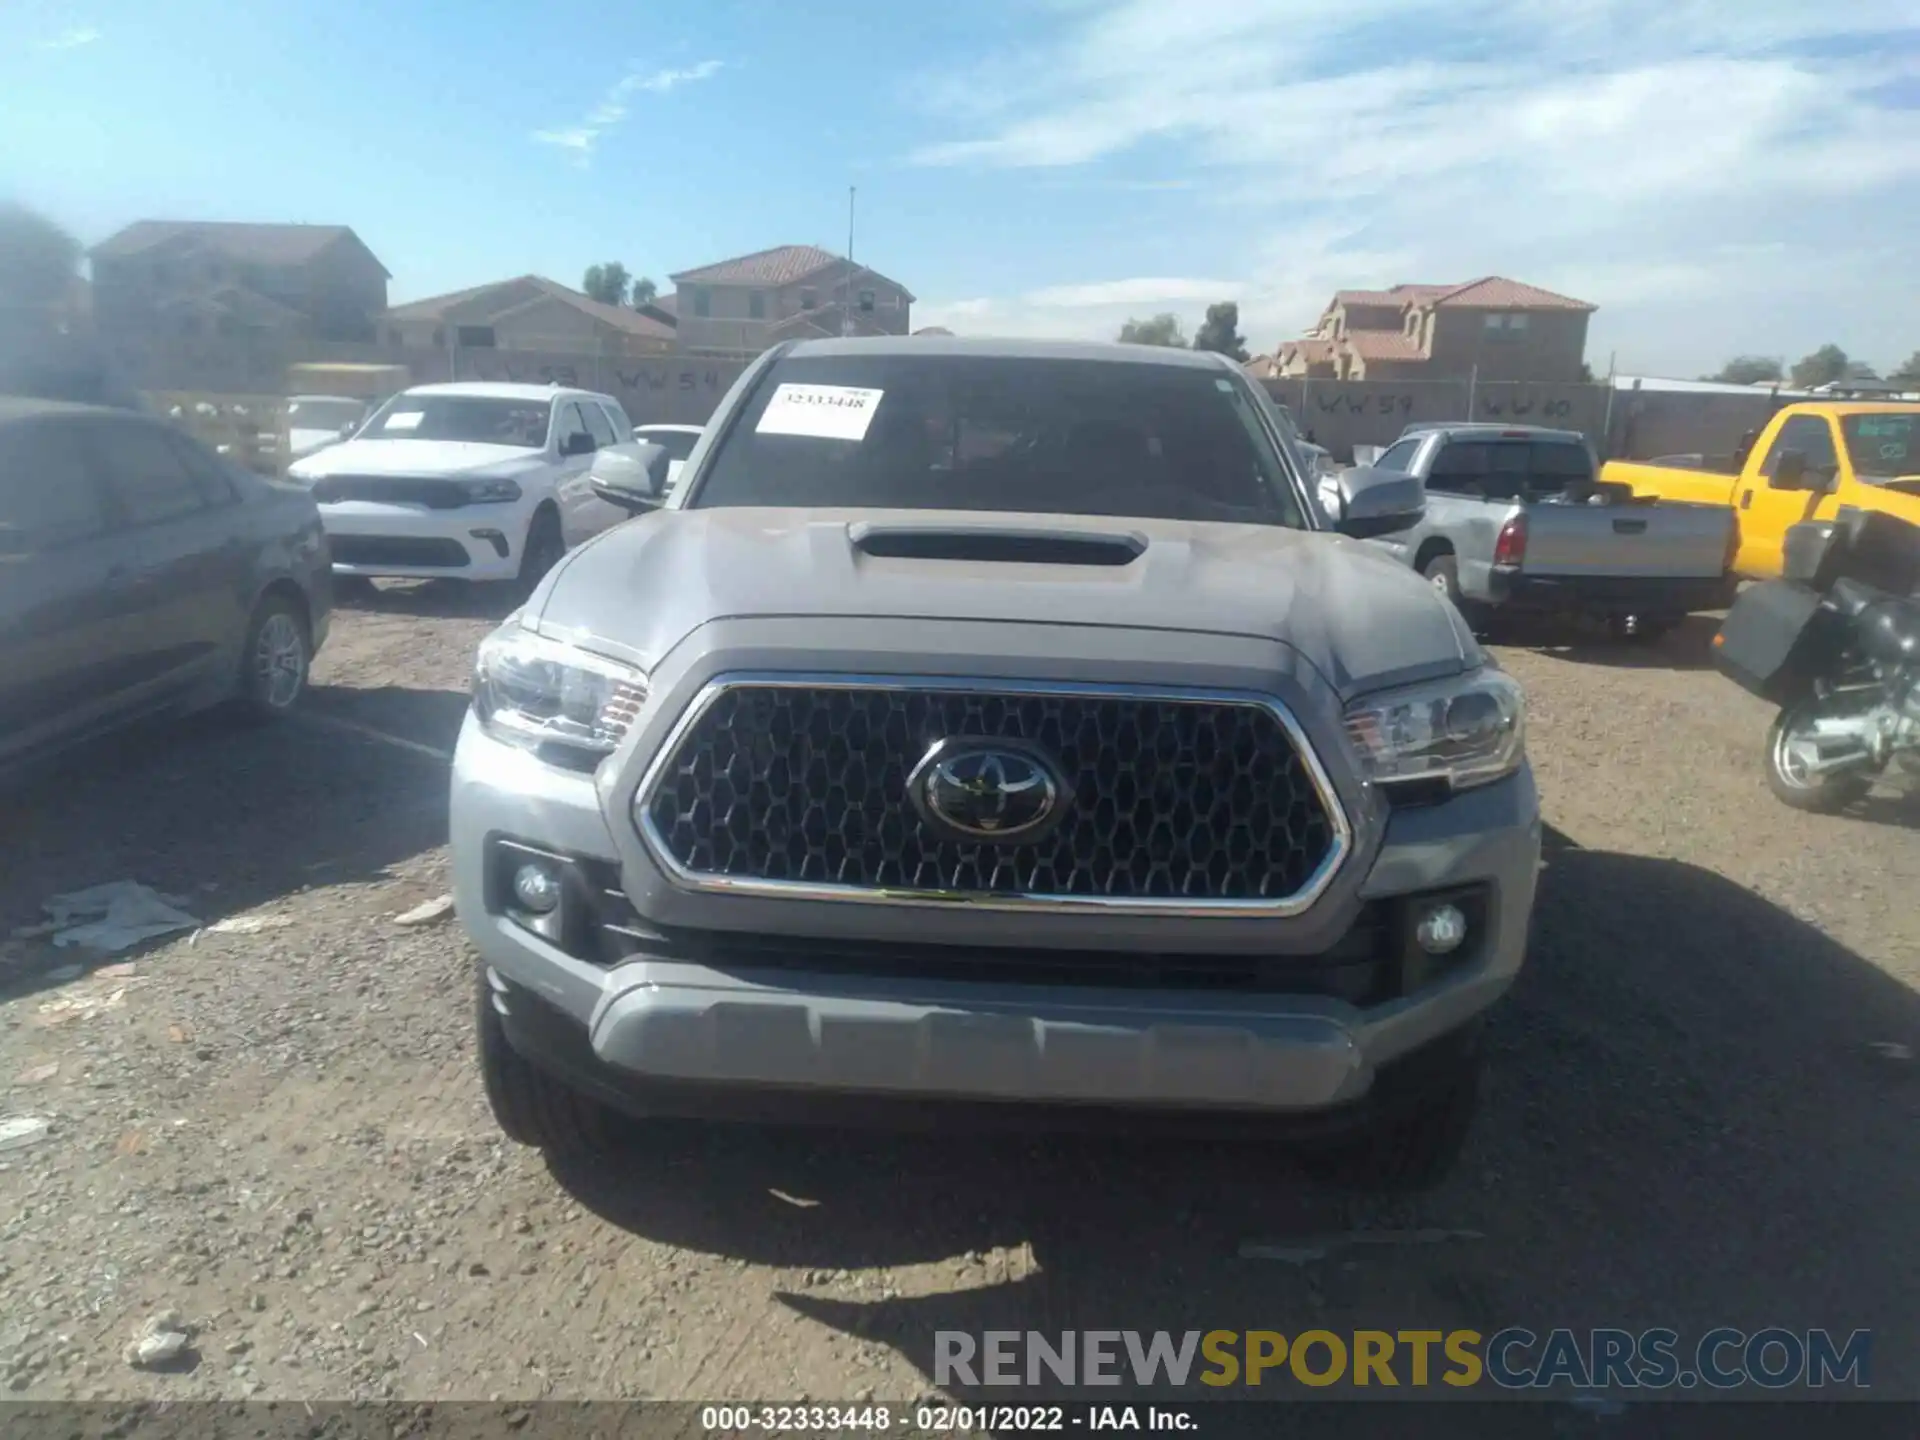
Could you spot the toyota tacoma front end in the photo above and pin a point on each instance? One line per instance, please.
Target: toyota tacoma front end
(1029, 746)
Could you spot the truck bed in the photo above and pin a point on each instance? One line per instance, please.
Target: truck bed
(1702, 484)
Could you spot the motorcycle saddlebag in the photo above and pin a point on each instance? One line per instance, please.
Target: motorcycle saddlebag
(1772, 640)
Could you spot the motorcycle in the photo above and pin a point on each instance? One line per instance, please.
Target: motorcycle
(1835, 644)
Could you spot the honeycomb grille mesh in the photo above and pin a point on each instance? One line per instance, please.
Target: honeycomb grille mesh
(1166, 799)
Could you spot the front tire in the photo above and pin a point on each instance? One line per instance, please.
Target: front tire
(1788, 778)
(531, 1106)
(275, 659)
(545, 545)
(1415, 1149)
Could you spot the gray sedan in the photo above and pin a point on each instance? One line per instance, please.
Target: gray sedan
(140, 575)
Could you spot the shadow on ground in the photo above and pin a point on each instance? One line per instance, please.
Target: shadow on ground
(1688, 646)
(456, 599)
(227, 816)
(1688, 1126)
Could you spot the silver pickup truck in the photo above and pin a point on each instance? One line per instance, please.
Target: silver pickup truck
(1516, 518)
(993, 726)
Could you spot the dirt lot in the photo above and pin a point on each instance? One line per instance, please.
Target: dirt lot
(278, 1132)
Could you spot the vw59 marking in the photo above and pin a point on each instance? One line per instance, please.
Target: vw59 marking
(987, 790)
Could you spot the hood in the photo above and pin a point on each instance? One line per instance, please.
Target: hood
(415, 457)
(1354, 613)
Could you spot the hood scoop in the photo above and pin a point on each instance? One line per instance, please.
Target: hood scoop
(997, 544)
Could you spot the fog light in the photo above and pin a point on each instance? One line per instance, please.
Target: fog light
(538, 889)
(1442, 930)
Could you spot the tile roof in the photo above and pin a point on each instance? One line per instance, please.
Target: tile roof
(782, 265)
(1384, 345)
(523, 290)
(824, 321)
(1368, 297)
(259, 244)
(1313, 350)
(1495, 292)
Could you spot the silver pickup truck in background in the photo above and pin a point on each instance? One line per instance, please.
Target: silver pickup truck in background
(1516, 519)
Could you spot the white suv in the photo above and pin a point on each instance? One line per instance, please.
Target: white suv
(461, 481)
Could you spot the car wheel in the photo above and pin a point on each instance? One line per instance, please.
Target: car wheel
(1414, 1149)
(275, 659)
(531, 1106)
(1443, 573)
(1787, 775)
(357, 589)
(545, 545)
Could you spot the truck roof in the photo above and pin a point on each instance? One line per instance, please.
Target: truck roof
(1489, 427)
(1856, 407)
(501, 390)
(1111, 352)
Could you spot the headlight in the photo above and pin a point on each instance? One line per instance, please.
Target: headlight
(484, 492)
(1469, 730)
(535, 693)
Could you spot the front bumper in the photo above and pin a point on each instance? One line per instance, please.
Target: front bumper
(474, 542)
(648, 1023)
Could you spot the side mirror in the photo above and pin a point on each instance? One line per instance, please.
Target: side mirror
(1790, 472)
(578, 443)
(633, 477)
(1377, 502)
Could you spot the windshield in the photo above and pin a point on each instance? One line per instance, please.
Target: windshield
(1027, 436)
(324, 414)
(1882, 447)
(477, 418)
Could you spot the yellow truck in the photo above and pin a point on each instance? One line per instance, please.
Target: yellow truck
(1812, 461)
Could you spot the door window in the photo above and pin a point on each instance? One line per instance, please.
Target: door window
(622, 427)
(598, 425)
(572, 425)
(1398, 456)
(146, 473)
(48, 499)
(1812, 436)
(215, 485)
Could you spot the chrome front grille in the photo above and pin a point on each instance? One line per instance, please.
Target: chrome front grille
(1170, 801)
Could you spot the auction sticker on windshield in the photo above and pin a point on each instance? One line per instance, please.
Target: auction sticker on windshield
(826, 412)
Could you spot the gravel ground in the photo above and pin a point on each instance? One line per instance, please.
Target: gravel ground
(1700, 1111)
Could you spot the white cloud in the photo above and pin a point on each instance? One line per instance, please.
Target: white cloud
(72, 39)
(579, 140)
(1631, 152)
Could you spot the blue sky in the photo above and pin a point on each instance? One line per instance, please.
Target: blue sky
(1742, 175)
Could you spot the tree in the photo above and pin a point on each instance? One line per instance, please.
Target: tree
(1822, 367)
(606, 283)
(1750, 370)
(1909, 370)
(38, 262)
(1220, 331)
(1160, 330)
(644, 292)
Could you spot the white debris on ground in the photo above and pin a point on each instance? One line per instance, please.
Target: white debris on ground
(436, 909)
(160, 1342)
(114, 916)
(19, 1131)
